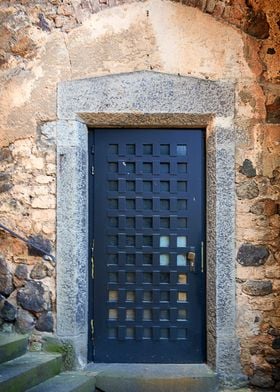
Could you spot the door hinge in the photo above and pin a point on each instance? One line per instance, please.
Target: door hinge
(93, 149)
(92, 259)
(92, 329)
(202, 256)
(92, 170)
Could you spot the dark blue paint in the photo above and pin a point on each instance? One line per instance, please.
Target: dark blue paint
(140, 192)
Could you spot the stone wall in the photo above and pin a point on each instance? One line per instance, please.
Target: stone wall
(48, 41)
(258, 257)
(27, 280)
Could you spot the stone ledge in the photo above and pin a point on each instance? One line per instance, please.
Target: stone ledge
(154, 377)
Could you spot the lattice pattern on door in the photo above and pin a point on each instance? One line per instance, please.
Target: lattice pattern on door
(147, 241)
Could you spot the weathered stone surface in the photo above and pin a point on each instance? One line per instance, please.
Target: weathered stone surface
(41, 243)
(266, 207)
(47, 134)
(274, 360)
(39, 271)
(207, 96)
(6, 281)
(154, 377)
(25, 322)
(5, 155)
(247, 190)
(257, 25)
(273, 112)
(4, 176)
(21, 271)
(43, 24)
(252, 255)
(18, 282)
(45, 322)
(5, 187)
(248, 169)
(274, 331)
(7, 327)
(275, 180)
(276, 343)
(261, 379)
(257, 287)
(33, 297)
(8, 312)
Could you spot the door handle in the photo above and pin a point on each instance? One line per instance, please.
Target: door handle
(191, 259)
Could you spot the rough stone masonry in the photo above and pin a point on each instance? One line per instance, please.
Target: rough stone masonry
(43, 43)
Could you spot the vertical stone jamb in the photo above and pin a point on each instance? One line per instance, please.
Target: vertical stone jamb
(72, 236)
(227, 343)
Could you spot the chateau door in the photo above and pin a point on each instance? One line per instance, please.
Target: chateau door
(147, 225)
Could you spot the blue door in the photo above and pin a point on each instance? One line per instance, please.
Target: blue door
(147, 228)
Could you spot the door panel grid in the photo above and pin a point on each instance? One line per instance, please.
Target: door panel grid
(148, 214)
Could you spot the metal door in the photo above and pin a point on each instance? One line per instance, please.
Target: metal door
(147, 227)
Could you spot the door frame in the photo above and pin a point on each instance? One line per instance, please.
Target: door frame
(140, 100)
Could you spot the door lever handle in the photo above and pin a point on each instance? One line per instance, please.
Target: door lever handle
(191, 259)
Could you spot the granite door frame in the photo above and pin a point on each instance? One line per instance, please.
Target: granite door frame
(140, 100)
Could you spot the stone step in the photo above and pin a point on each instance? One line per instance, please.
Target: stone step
(12, 346)
(28, 370)
(68, 382)
(154, 378)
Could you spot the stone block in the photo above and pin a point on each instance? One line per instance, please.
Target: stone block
(261, 379)
(273, 112)
(6, 281)
(45, 322)
(6, 187)
(8, 312)
(257, 25)
(34, 297)
(21, 271)
(6, 155)
(274, 331)
(156, 90)
(257, 287)
(276, 343)
(248, 169)
(252, 255)
(25, 322)
(273, 359)
(265, 207)
(247, 190)
(40, 271)
(43, 202)
(41, 243)
(42, 179)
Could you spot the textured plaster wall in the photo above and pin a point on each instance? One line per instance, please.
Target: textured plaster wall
(43, 43)
(158, 35)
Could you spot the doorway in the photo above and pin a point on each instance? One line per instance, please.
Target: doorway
(147, 235)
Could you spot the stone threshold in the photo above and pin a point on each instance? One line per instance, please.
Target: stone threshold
(124, 377)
